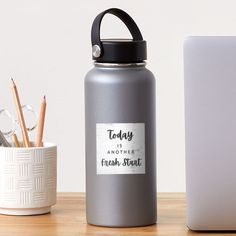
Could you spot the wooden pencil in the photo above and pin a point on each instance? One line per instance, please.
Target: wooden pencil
(39, 140)
(20, 115)
(15, 140)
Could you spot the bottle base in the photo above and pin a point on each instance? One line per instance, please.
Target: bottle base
(121, 225)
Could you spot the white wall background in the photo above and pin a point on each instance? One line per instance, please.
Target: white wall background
(45, 46)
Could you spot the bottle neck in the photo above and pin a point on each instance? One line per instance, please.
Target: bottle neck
(138, 64)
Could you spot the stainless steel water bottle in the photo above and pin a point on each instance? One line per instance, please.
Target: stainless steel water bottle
(120, 130)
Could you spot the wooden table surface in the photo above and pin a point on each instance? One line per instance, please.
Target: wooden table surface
(68, 218)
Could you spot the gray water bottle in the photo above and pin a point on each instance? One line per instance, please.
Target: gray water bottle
(120, 130)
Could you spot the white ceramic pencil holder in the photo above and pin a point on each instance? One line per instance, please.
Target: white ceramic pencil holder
(28, 178)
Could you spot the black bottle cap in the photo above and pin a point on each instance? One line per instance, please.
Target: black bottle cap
(118, 50)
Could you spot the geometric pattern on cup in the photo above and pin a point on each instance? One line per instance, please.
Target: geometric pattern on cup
(28, 177)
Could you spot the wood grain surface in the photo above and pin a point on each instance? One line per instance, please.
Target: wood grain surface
(68, 218)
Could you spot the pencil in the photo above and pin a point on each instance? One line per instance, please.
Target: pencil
(39, 139)
(15, 140)
(20, 115)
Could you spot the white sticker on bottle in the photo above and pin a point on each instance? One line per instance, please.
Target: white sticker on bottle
(120, 148)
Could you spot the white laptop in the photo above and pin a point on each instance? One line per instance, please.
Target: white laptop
(210, 117)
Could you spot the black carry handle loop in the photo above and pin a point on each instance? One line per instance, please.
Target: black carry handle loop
(124, 17)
